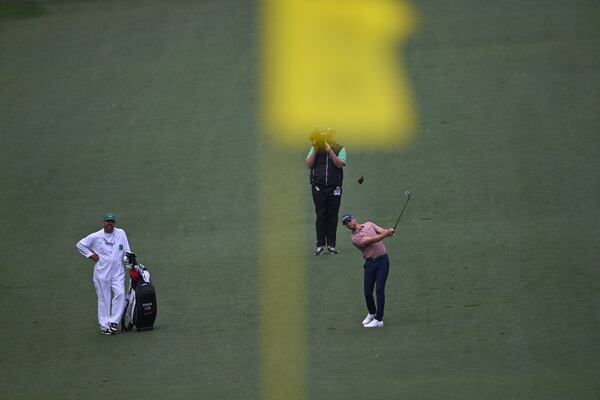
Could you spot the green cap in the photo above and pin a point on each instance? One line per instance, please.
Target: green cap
(110, 217)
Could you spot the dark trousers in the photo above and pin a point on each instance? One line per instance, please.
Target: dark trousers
(376, 271)
(327, 206)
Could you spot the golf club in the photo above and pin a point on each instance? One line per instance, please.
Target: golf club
(407, 194)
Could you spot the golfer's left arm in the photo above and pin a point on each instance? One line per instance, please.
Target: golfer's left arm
(378, 229)
(379, 237)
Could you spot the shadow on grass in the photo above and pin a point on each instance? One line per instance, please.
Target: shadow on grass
(18, 9)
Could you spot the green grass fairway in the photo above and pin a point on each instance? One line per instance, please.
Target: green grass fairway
(150, 109)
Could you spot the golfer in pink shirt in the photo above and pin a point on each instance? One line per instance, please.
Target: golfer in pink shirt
(367, 237)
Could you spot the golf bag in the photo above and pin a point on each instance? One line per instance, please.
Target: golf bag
(140, 304)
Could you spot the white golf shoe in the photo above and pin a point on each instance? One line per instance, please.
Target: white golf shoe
(368, 319)
(374, 324)
(106, 331)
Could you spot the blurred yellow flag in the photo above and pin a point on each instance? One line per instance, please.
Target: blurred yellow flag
(336, 63)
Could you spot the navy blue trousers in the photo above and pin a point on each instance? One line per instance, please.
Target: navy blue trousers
(376, 271)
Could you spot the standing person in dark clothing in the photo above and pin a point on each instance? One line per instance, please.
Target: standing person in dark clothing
(326, 160)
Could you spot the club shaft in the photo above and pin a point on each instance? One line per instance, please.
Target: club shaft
(402, 212)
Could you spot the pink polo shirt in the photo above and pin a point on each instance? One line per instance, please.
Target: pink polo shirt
(364, 231)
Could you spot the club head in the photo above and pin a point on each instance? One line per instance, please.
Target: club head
(407, 194)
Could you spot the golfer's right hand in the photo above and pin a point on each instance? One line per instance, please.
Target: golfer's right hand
(390, 232)
(94, 257)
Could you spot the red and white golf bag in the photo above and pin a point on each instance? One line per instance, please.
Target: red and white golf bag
(140, 303)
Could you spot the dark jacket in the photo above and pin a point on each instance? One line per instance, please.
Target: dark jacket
(324, 171)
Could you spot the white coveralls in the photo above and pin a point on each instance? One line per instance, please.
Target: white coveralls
(109, 271)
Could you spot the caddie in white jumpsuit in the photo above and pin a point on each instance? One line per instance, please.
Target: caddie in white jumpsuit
(107, 248)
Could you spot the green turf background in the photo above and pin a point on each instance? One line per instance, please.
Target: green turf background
(148, 109)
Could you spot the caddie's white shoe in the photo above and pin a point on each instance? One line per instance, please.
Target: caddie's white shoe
(368, 319)
(374, 324)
